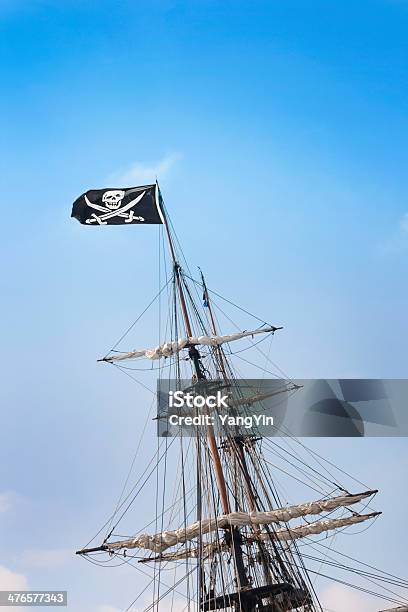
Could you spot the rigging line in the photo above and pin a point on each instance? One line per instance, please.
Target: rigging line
(182, 458)
(126, 498)
(104, 564)
(157, 574)
(280, 554)
(192, 308)
(312, 452)
(316, 454)
(169, 509)
(216, 502)
(179, 247)
(332, 540)
(337, 552)
(142, 591)
(179, 481)
(371, 524)
(296, 467)
(193, 305)
(188, 494)
(132, 465)
(253, 345)
(138, 318)
(373, 578)
(151, 369)
(155, 526)
(165, 259)
(278, 557)
(248, 348)
(258, 455)
(151, 580)
(299, 460)
(287, 552)
(134, 379)
(148, 608)
(258, 367)
(163, 507)
(320, 491)
(230, 302)
(199, 447)
(285, 375)
(359, 588)
(183, 482)
(159, 299)
(141, 487)
(268, 357)
(140, 478)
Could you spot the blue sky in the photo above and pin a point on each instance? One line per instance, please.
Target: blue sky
(278, 132)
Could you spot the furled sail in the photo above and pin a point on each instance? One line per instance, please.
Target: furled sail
(171, 348)
(302, 531)
(160, 541)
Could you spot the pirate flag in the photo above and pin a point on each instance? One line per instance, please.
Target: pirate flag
(119, 206)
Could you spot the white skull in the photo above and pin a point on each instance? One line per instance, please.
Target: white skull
(112, 199)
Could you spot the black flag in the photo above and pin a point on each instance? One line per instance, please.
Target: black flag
(119, 206)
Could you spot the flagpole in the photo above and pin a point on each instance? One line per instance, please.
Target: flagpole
(176, 265)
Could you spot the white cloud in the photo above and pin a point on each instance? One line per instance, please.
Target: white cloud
(169, 604)
(44, 559)
(399, 240)
(11, 581)
(339, 598)
(6, 501)
(139, 173)
(404, 224)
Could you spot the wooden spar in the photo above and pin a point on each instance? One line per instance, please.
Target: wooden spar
(218, 469)
(85, 551)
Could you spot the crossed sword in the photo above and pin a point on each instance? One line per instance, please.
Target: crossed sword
(109, 214)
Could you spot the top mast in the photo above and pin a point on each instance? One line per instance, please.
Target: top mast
(176, 265)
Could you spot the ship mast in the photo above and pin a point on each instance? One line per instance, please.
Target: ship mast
(241, 577)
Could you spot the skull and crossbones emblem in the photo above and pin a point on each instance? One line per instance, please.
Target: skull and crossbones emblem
(112, 200)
